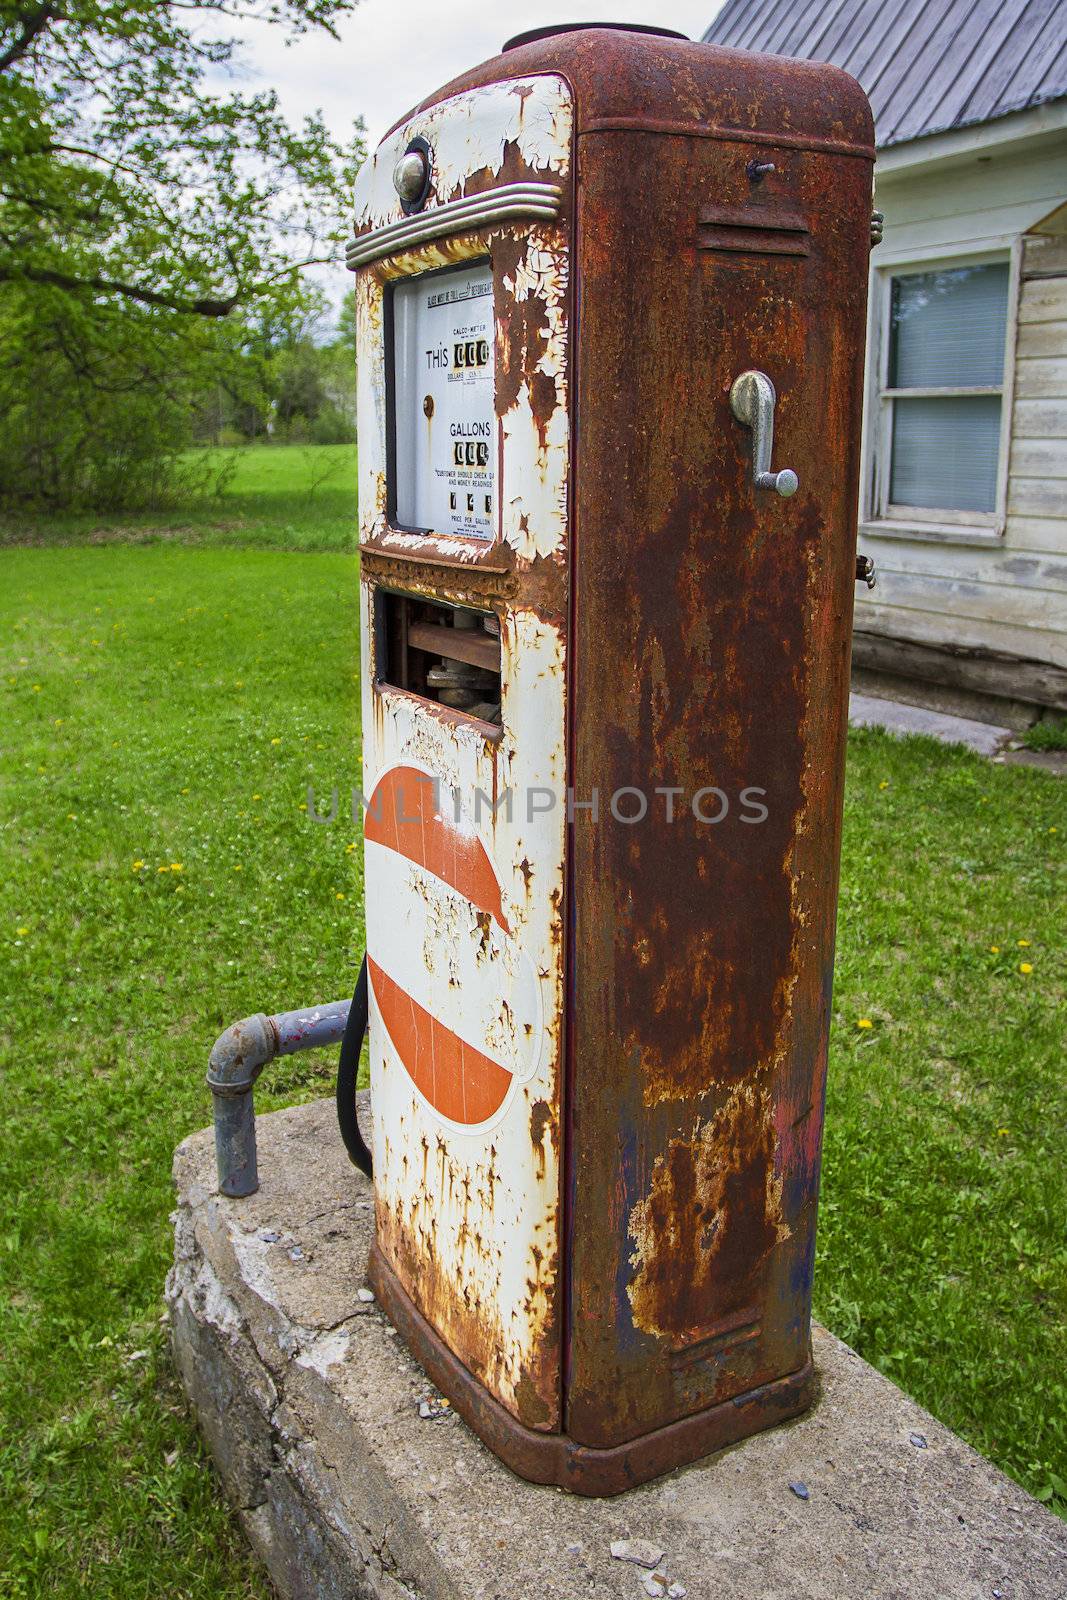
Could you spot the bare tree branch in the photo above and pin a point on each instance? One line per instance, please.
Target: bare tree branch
(206, 306)
(56, 279)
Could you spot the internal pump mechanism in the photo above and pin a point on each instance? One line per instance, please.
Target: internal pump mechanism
(449, 654)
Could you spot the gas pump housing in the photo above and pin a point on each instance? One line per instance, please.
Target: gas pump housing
(611, 294)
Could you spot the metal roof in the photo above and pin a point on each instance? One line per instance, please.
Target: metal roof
(926, 65)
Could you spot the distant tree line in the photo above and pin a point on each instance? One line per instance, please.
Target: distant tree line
(154, 227)
(288, 380)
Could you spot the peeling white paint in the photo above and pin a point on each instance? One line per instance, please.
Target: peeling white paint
(470, 133)
(533, 477)
(468, 1215)
(506, 1199)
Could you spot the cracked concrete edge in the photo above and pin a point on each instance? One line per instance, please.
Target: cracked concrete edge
(258, 1381)
(309, 1403)
(307, 1532)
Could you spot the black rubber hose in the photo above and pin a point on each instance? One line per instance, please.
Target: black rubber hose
(347, 1072)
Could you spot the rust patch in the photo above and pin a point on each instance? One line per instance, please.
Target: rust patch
(512, 169)
(541, 1119)
(522, 342)
(710, 649)
(461, 1297)
(711, 1216)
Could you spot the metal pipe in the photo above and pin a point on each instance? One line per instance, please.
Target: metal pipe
(238, 1056)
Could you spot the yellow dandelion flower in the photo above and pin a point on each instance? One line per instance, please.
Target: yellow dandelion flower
(37, 688)
(864, 1022)
(1024, 944)
(994, 949)
(162, 869)
(340, 896)
(176, 866)
(185, 791)
(257, 797)
(884, 784)
(1054, 830)
(1002, 1133)
(237, 867)
(136, 866)
(276, 741)
(1025, 968)
(22, 932)
(350, 847)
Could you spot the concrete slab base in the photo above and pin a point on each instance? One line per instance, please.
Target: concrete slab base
(352, 1479)
(975, 705)
(866, 711)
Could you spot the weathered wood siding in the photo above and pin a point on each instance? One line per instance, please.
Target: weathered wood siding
(1007, 595)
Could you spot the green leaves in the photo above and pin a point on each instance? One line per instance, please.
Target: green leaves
(127, 172)
(137, 197)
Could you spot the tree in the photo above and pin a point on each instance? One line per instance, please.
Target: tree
(346, 321)
(313, 381)
(139, 203)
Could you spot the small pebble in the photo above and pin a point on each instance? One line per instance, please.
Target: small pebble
(425, 1410)
(296, 1254)
(918, 1440)
(677, 1591)
(801, 1490)
(642, 1552)
(269, 1236)
(655, 1584)
(364, 1295)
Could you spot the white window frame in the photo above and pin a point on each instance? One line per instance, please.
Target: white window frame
(878, 514)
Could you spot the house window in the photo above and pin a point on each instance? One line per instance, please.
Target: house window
(943, 394)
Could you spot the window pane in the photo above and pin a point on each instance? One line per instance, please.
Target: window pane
(948, 328)
(945, 452)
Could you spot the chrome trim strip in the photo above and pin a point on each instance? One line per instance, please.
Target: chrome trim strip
(473, 211)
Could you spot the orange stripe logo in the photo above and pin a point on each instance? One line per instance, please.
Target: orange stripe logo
(460, 1081)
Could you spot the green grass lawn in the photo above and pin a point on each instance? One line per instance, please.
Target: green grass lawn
(271, 497)
(165, 707)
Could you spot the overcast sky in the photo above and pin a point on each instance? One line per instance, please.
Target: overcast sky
(394, 52)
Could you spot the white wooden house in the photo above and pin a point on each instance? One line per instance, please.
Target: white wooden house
(964, 483)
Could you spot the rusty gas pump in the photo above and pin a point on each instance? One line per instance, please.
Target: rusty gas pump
(610, 295)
